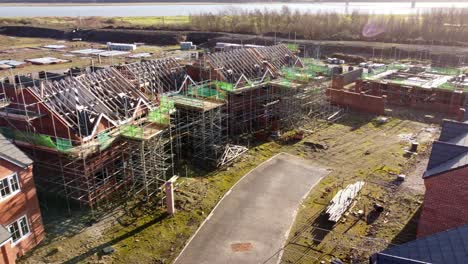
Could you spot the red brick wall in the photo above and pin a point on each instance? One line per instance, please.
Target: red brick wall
(445, 203)
(50, 124)
(22, 203)
(430, 100)
(357, 101)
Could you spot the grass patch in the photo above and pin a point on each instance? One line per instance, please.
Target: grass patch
(150, 21)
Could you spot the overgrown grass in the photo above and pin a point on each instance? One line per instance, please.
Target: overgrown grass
(360, 149)
(151, 21)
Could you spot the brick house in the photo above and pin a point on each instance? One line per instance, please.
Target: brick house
(446, 181)
(21, 226)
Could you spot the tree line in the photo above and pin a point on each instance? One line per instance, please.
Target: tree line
(438, 26)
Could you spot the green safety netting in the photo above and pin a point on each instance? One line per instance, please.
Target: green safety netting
(209, 92)
(131, 131)
(159, 117)
(445, 71)
(316, 67)
(104, 140)
(161, 114)
(297, 74)
(397, 66)
(63, 144)
(452, 86)
(37, 139)
(292, 47)
(166, 105)
(319, 69)
(223, 85)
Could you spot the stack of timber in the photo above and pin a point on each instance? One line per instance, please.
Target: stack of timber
(342, 200)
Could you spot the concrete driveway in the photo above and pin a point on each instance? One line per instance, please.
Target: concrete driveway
(252, 221)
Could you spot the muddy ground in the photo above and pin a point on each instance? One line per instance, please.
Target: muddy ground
(435, 53)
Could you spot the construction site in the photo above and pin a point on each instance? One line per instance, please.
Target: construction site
(173, 136)
(123, 129)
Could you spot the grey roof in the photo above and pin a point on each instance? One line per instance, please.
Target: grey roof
(451, 151)
(450, 246)
(454, 132)
(9, 152)
(4, 234)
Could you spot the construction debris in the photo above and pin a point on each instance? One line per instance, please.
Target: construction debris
(46, 61)
(140, 55)
(88, 51)
(55, 47)
(342, 200)
(113, 53)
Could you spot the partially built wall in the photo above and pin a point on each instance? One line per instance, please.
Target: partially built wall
(422, 90)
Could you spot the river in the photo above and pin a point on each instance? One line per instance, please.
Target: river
(183, 9)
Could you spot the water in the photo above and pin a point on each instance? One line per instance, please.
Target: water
(181, 9)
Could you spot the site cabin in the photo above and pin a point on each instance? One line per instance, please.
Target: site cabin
(121, 46)
(21, 226)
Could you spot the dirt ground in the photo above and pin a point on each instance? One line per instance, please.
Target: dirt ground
(21, 48)
(355, 148)
(361, 149)
(209, 39)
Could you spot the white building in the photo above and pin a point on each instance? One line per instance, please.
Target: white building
(121, 46)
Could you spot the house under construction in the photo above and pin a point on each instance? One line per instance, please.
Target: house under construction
(431, 89)
(87, 134)
(121, 129)
(259, 94)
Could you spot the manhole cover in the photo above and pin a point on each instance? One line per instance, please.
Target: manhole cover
(241, 247)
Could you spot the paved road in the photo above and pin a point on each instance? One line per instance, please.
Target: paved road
(252, 222)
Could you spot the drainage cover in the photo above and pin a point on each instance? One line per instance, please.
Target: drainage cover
(241, 247)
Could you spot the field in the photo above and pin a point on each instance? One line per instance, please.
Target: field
(99, 22)
(19, 48)
(355, 148)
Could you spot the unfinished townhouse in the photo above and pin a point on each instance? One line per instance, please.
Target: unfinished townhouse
(98, 132)
(82, 132)
(194, 125)
(260, 86)
(432, 89)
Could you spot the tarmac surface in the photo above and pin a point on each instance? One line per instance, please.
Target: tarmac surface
(252, 221)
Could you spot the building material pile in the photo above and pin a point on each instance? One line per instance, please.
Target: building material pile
(342, 200)
(46, 61)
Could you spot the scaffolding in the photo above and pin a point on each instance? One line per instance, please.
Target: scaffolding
(149, 158)
(91, 136)
(120, 130)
